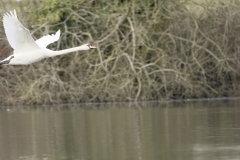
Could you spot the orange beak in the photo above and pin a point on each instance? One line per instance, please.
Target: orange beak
(92, 47)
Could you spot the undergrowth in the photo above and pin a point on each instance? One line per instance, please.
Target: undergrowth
(146, 50)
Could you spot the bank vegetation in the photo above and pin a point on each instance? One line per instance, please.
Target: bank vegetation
(146, 50)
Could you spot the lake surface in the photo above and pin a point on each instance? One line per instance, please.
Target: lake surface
(194, 130)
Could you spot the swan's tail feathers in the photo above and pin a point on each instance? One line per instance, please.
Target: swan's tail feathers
(2, 62)
(7, 60)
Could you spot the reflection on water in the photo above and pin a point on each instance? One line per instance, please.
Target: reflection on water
(148, 131)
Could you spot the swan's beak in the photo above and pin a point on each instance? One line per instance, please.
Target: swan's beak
(92, 47)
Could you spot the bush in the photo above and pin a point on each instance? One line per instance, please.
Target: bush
(147, 50)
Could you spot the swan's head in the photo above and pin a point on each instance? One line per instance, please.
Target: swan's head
(88, 46)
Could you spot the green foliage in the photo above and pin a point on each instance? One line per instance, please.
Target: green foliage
(55, 11)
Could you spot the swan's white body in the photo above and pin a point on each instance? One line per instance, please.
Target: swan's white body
(26, 50)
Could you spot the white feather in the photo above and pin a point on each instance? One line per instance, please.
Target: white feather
(18, 36)
(48, 39)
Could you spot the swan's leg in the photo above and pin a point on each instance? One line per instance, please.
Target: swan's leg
(7, 60)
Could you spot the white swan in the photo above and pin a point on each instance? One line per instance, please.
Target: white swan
(26, 50)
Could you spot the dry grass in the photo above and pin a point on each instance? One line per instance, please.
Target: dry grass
(147, 50)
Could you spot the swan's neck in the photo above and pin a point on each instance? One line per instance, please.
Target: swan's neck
(65, 51)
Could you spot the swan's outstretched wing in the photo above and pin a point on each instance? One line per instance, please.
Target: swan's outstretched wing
(18, 36)
(48, 39)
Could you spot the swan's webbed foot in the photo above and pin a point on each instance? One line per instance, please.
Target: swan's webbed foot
(6, 61)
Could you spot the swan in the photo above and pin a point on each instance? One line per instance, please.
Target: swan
(26, 49)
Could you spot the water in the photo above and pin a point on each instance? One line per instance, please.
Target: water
(198, 130)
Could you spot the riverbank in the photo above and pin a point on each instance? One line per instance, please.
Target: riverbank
(146, 51)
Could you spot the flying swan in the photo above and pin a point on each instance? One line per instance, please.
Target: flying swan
(26, 49)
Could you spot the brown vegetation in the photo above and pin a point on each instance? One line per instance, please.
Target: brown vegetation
(147, 50)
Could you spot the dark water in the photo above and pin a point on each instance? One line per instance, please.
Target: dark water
(206, 130)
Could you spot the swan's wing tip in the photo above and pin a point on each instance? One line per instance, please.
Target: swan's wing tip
(58, 33)
(17, 34)
(46, 40)
(15, 13)
(10, 14)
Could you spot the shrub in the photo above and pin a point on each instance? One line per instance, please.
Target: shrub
(147, 50)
